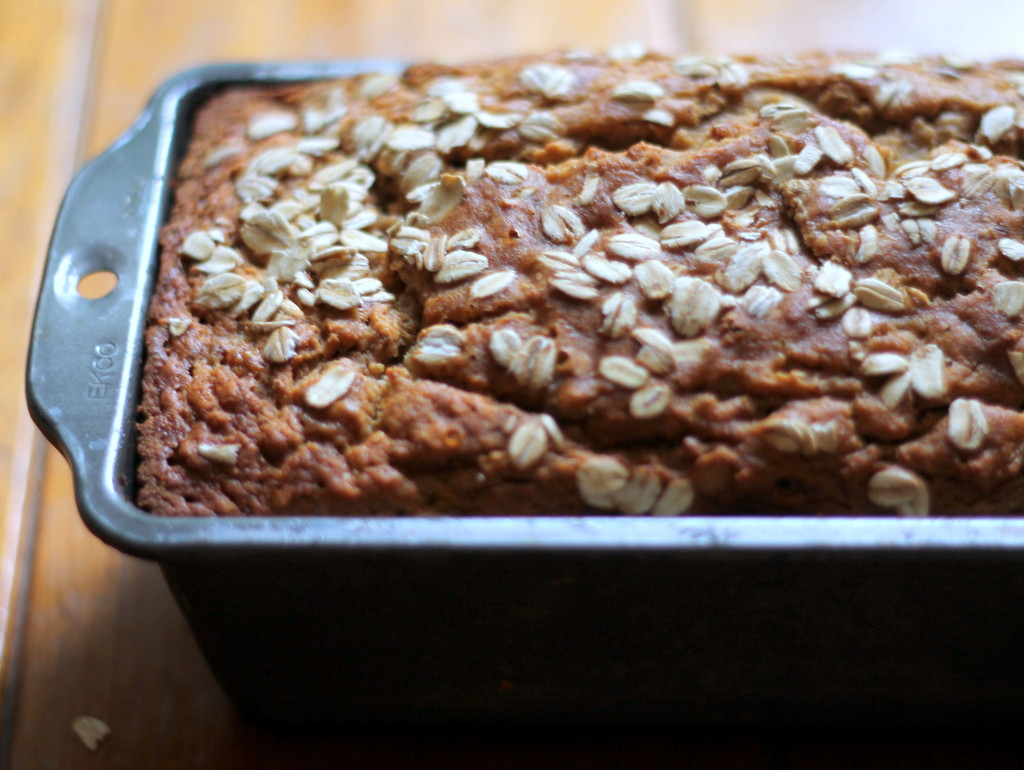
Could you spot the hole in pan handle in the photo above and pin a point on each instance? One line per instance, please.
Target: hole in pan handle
(86, 343)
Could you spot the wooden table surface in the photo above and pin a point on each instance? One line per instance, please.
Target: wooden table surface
(85, 630)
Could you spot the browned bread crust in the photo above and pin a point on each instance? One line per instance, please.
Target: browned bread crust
(569, 283)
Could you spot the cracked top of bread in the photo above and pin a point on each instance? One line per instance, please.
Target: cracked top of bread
(573, 283)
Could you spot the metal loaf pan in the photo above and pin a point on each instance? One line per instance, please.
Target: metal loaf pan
(694, 620)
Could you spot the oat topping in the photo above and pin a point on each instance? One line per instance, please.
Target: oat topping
(956, 254)
(332, 385)
(650, 401)
(708, 202)
(1011, 249)
(618, 281)
(598, 478)
(221, 291)
(508, 172)
(619, 315)
(833, 145)
(281, 345)
(997, 122)
(623, 372)
(675, 499)
(533, 364)
(901, 489)
(460, 264)
(880, 364)
(638, 91)
(689, 233)
(606, 270)
(879, 295)
(266, 124)
(177, 326)
(760, 301)
(927, 372)
(547, 80)
(968, 425)
(198, 245)
(781, 269)
(492, 284)
(220, 453)
(653, 278)
(656, 352)
(561, 224)
(527, 444)
(857, 323)
(853, 211)
(576, 284)
(633, 246)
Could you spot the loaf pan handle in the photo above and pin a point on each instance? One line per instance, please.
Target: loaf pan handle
(84, 354)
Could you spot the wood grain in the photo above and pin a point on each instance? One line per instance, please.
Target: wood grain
(103, 636)
(160, 39)
(985, 29)
(44, 55)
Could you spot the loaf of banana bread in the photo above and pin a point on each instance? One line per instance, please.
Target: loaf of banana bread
(618, 284)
